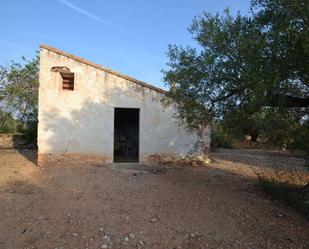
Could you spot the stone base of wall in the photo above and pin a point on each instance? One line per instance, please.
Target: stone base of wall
(155, 159)
(170, 159)
(48, 159)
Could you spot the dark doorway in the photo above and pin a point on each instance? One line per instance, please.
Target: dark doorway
(126, 135)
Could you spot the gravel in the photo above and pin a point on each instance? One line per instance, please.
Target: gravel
(217, 206)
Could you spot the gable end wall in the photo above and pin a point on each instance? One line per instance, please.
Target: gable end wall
(80, 123)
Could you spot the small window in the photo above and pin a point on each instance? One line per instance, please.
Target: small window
(67, 81)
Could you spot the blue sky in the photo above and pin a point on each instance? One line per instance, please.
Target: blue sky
(129, 36)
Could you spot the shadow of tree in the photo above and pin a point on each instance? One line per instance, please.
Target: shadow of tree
(21, 187)
(263, 158)
(18, 142)
(29, 154)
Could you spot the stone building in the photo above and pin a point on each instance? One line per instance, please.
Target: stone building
(87, 111)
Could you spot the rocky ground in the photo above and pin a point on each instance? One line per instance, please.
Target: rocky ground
(78, 205)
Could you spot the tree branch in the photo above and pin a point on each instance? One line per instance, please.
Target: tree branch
(277, 100)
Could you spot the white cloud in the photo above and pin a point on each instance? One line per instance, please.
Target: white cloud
(90, 15)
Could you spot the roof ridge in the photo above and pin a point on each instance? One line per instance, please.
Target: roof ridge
(89, 63)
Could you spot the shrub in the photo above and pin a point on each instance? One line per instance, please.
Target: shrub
(219, 137)
(29, 132)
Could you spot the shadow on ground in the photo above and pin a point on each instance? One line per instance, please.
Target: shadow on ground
(262, 158)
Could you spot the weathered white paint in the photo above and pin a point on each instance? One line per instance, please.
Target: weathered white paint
(82, 121)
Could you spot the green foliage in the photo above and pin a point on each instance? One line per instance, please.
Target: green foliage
(19, 96)
(243, 64)
(240, 123)
(300, 138)
(29, 132)
(284, 26)
(7, 123)
(286, 129)
(219, 137)
(272, 126)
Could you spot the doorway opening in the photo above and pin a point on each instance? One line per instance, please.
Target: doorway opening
(126, 135)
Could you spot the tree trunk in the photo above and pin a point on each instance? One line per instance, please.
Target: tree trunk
(254, 136)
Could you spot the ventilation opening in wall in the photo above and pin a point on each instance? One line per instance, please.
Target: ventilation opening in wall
(67, 81)
(126, 135)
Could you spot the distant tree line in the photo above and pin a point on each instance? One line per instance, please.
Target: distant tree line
(19, 98)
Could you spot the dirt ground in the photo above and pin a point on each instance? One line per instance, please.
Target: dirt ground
(86, 205)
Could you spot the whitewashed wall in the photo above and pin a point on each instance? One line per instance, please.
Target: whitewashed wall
(81, 122)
